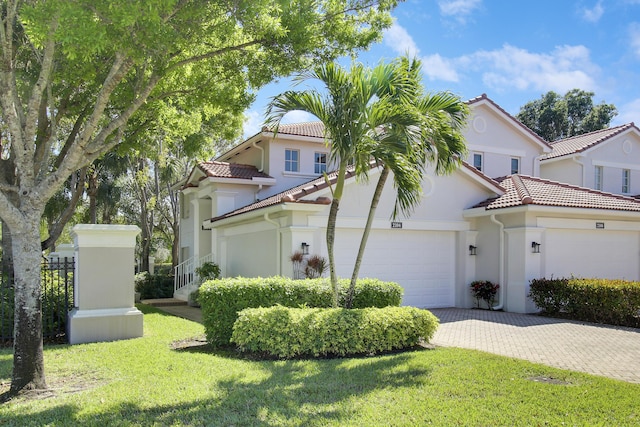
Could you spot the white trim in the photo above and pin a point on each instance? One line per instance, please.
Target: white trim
(494, 150)
(380, 224)
(589, 212)
(630, 166)
(300, 175)
(587, 224)
(105, 235)
(104, 312)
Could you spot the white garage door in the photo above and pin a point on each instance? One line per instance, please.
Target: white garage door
(423, 262)
(591, 253)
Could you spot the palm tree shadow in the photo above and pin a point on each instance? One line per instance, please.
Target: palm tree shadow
(308, 392)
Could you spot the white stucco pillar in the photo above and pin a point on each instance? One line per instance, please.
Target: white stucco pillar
(104, 284)
(522, 266)
(197, 223)
(465, 267)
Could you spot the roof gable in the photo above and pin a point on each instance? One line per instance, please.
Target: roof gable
(484, 100)
(582, 143)
(223, 170)
(299, 193)
(526, 190)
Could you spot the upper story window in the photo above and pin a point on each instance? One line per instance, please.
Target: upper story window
(626, 180)
(598, 177)
(291, 160)
(477, 161)
(515, 165)
(320, 163)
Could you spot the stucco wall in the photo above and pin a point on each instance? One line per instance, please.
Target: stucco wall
(498, 140)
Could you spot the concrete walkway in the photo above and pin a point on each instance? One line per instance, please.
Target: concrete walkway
(608, 351)
(177, 308)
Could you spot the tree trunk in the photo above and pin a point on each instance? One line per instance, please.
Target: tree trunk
(365, 234)
(7, 251)
(331, 237)
(92, 193)
(331, 228)
(28, 358)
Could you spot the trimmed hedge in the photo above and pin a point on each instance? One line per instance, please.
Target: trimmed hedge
(614, 302)
(292, 332)
(154, 286)
(222, 299)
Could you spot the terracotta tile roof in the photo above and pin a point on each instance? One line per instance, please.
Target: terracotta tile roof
(484, 97)
(292, 195)
(313, 129)
(579, 143)
(494, 182)
(526, 190)
(218, 169)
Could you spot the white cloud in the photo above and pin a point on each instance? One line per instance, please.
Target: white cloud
(298, 116)
(435, 67)
(398, 39)
(459, 8)
(565, 68)
(634, 37)
(629, 112)
(252, 123)
(594, 14)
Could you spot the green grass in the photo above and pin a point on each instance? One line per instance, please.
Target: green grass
(146, 382)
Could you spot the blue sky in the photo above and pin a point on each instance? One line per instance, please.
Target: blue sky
(514, 51)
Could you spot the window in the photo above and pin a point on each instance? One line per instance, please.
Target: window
(598, 178)
(291, 160)
(320, 163)
(477, 161)
(515, 165)
(626, 180)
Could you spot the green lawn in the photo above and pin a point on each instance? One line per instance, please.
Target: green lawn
(146, 382)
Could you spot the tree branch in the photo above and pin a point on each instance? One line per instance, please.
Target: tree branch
(26, 151)
(217, 52)
(68, 212)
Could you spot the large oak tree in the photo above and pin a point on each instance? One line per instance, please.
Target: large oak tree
(74, 73)
(555, 117)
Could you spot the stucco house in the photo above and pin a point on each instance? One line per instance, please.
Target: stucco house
(518, 208)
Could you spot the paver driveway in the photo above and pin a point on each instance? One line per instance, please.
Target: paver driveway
(596, 349)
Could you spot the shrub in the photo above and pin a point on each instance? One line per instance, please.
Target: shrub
(163, 269)
(154, 286)
(486, 291)
(221, 300)
(312, 267)
(550, 295)
(291, 332)
(208, 271)
(615, 302)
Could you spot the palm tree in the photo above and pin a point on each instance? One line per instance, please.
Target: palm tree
(442, 118)
(353, 109)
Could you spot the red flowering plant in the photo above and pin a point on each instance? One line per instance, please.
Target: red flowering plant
(486, 291)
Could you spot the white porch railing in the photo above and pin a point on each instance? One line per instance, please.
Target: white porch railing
(185, 272)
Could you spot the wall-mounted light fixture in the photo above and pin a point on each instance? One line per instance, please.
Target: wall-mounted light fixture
(535, 247)
(305, 248)
(473, 250)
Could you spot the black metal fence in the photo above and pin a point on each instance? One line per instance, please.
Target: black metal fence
(57, 300)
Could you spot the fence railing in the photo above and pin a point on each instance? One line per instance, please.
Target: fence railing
(185, 272)
(57, 300)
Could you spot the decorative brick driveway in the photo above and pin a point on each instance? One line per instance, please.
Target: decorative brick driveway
(596, 349)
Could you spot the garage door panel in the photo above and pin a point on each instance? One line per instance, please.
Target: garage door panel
(592, 253)
(422, 262)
